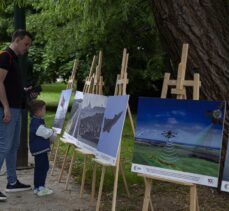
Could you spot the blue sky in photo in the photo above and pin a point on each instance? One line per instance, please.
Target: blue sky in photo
(191, 121)
(94, 100)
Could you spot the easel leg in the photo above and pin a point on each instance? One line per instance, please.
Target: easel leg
(51, 150)
(165, 85)
(124, 180)
(65, 157)
(150, 201)
(100, 188)
(115, 184)
(151, 205)
(83, 176)
(148, 184)
(197, 202)
(93, 184)
(55, 157)
(193, 198)
(70, 170)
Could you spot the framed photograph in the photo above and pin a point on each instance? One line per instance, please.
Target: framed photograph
(225, 179)
(90, 121)
(111, 133)
(62, 110)
(72, 127)
(179, 139)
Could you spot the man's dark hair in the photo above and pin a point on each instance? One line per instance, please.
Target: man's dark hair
(36, 105)
(21, 33)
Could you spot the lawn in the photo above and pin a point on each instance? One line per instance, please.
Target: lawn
(51, 93)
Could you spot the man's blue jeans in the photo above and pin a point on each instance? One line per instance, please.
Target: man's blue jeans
(9, 142)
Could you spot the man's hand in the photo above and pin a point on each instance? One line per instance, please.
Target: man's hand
(34, 95)
(32, 92)
(7, 115)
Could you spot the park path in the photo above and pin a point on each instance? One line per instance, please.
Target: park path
(66, 200)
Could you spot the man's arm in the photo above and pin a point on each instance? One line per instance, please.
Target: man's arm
(3, 98)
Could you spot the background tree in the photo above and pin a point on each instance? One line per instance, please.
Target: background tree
(204, 25)
(81, 28)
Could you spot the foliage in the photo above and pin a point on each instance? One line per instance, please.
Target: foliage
(79, 29)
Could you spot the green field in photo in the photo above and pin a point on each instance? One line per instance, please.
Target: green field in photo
(150, 155)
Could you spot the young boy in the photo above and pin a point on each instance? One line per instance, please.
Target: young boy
(40, 137)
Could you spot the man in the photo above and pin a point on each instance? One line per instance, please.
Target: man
(11, 102)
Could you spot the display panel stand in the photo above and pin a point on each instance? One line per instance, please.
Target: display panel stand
(93, 84)
(69, 86)
(180, 92)
(120, 89)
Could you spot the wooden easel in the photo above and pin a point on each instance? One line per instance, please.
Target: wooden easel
(87, 88)
(73, 75)
(180, 91)
(98, 84)
(90, 78)
(95, 85)
(120, 89)
(69, 85)
(71, 79)
(97, 88)
(121, 84)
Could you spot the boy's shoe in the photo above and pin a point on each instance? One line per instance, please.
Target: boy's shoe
(2, 197)
(3, 170)
(35, 190)
(44, 191)
(17, 187)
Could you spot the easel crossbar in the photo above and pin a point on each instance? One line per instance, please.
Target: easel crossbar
(186, 83)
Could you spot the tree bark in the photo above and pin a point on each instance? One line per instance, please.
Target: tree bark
(204, 24)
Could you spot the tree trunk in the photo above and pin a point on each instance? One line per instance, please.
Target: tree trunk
(204, 24)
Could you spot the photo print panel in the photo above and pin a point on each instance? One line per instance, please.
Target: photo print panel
(72, 127)
(112, 127)
(225, 179)
(61, 110)
(90, 120)
(179, 139)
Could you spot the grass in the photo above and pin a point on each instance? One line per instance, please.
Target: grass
(54, 87)
(51, 94)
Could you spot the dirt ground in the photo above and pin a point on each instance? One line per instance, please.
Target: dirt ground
(165, 197)
(61, 199)
(170, 197)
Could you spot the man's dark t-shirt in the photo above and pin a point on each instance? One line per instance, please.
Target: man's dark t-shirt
(13, 83)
